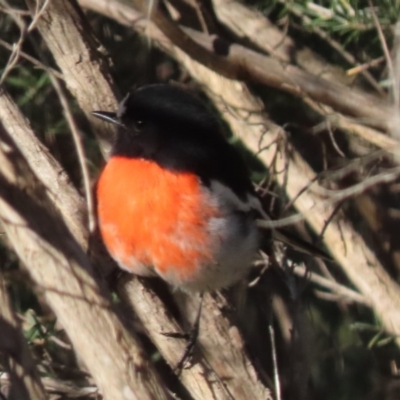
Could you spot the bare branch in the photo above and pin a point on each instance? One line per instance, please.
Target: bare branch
(289, 78)
(200, 379)
(79, 56)
(58, 387)
(80, 151)
(15, 53)
(277, 381)
(31, 59)
(58, 185)
(223, 345)
(342, 291)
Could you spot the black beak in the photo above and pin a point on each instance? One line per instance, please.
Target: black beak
(107, 116)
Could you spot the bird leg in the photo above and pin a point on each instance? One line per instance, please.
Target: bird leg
(191, 338)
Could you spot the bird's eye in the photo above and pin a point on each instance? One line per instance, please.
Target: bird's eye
(139, 123)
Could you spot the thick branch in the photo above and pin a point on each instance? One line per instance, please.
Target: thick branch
(200, 380)
(374, 112)
(222, 367)
(224, 346)
(79, 55)
(58, 185)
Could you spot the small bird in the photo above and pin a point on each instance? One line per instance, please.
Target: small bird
(175, 199)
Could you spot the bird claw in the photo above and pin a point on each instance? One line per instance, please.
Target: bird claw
(191, 338)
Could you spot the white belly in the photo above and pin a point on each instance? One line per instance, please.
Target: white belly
(234, 240)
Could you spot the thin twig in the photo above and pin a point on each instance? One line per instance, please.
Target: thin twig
(336, 46)
(333, 214)
(198, 6)
(360, 68)
(14, 56)
(304, 189)
(33, 60)
(16, 48)
(333, 141)
(332, 196)
(335, 287)
(79, 149)
(38, 14)
(358, 188)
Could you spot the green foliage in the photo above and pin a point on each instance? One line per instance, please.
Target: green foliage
(36, 329)
(342, 16)
(349, 22)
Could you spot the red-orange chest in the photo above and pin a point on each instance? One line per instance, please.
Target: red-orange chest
(153, 217)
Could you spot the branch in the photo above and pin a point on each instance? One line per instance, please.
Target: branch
(68, 389)
(24, 378)
(223, 344)
(254, 26)
(77, 52)
(58, 185)
(343, 292)
(245, 63)
(289, 78)
(201, 379)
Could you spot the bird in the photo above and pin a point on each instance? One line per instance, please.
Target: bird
(175, 199)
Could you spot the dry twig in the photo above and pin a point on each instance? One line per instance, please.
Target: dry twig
(79, 56)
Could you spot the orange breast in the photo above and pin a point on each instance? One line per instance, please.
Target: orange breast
(153, 217)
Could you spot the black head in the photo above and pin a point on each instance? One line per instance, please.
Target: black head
(167, 124)
(156, 117)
